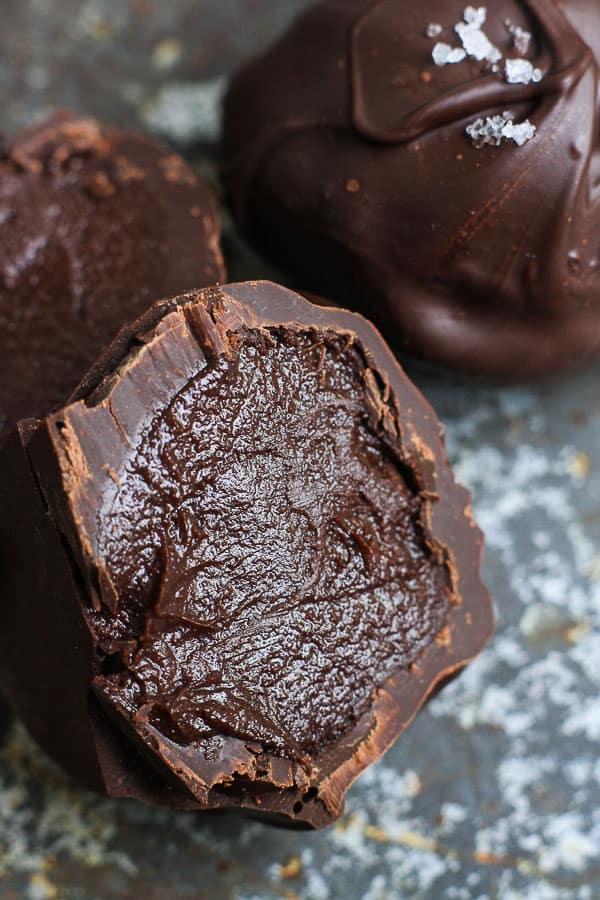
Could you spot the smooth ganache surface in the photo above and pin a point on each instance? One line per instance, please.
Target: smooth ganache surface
(436, 166)
(258, 534)
(95, 224)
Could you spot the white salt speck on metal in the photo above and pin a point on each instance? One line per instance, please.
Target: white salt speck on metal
(187, 112)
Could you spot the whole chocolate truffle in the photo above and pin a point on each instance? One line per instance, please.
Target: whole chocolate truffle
(435, 166)
(237, 563)
(95, 224)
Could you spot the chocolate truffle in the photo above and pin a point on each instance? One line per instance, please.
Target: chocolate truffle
(434, 165)
(95, 225)
(237, 563)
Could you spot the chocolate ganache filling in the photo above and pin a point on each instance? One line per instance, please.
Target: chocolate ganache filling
(240, 554)
(266, 563)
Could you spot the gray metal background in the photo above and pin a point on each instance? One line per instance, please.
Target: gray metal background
(495, 789)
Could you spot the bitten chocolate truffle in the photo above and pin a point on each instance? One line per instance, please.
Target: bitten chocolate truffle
(95, 225)
(434, 165)
(237, 563)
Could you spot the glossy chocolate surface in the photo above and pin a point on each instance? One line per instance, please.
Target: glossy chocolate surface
(357, 173)
(95, 224)
(264, 545)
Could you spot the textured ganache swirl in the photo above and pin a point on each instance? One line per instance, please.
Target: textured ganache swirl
(360, 176)
(266, 562)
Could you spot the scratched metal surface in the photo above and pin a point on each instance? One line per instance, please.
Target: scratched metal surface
(494, 792)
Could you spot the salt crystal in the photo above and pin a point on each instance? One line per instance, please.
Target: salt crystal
(486, 131)
(474, 16)
(440, 53)
(475, 42)
(521, 71)
(521, 38)
(457, 55)
(444, 53)
(520, 133)
(477, 45)
(493, 130)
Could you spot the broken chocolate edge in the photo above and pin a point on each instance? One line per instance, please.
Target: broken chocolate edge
(450, 525)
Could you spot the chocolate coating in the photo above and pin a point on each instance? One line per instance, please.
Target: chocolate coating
(347, 160)
(95, 224)
(252, 562)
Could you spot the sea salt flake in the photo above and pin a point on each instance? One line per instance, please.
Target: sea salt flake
(475, 42)
(486, 131)
(444, 53)
(521, 71)
(475, 16)
(520, 133)
(521, 39)
(433, 30)
(457, 55)
(493, 130)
